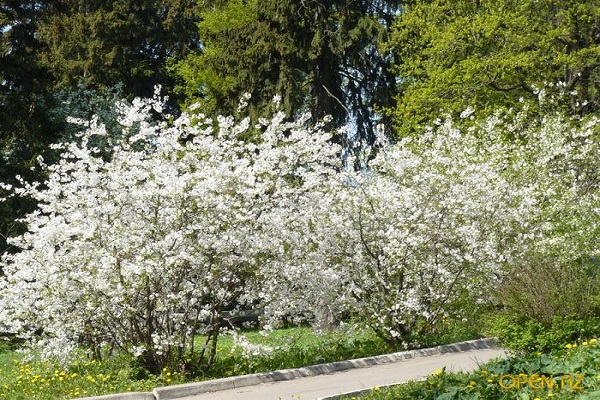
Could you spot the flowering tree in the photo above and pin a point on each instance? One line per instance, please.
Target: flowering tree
(441, 219)
(142, 247)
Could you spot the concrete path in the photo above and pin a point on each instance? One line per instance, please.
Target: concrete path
(326, 380)
(355, 379)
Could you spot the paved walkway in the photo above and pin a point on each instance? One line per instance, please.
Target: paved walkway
(323, 380)
(314, 387)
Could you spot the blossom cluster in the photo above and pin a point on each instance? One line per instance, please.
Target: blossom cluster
(141, 245)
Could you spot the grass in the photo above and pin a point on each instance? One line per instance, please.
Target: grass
(571, 373)
(22, 379)
(514, 378)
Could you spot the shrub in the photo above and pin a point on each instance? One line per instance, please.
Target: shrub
(529, 336)
(437, 221)
(542, 289)
(142, 247)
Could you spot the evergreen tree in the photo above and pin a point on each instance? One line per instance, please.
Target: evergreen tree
(53, 51)
(320, 57)
(487, 54)
(107, 43)
(26, 125)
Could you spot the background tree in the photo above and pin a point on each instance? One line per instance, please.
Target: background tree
(26, 125)
(105, 43)
(321, 57)
(488, 54)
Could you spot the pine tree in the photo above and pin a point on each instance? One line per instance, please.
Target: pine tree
(320, 57)
(106, 43)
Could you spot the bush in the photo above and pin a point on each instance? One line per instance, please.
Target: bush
(542, 288)
(437, 221)
(546, 301)
(141, 248)
(529, 336)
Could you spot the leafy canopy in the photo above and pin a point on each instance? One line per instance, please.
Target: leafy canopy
(488, 54)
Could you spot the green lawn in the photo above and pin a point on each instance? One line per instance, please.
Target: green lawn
(293, 347)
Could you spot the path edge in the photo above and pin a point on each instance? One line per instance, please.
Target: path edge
(234, 382)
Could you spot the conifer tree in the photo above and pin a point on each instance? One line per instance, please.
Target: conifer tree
(26, 125)
(321, 57)
(106, 43)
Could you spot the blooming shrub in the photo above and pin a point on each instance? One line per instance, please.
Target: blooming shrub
(426, 224)
(143, 248)
(438, 221)
(141, 245)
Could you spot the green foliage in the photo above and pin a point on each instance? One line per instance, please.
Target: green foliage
(451, 330)
(573, 374)
(489, 54)
(547, 300)
(319, 57)
(116, 42)
(548, 288)
(529, 336)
